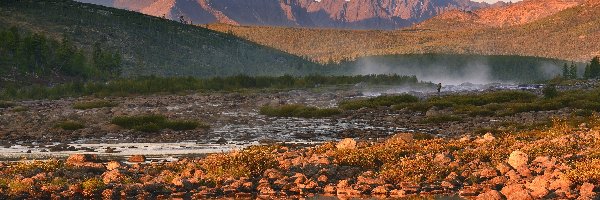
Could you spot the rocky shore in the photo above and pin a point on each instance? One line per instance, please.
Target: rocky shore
(558, 163)
(233, 118)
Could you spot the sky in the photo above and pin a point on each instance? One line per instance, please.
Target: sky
(494, 1)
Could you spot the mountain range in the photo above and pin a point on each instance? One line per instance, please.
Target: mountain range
(561, 29)
(346, 14)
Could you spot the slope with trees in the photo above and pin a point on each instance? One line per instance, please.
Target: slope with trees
(567, 34)
(149, 45)
(27, 58)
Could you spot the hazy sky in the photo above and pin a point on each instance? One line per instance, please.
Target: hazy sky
(494, 1)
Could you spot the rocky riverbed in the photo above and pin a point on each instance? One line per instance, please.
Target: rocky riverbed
(556, 164)
(29, 129)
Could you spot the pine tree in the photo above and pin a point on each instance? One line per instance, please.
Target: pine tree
(595, 67)
(573, 71)
(565, 71)
(587, 72)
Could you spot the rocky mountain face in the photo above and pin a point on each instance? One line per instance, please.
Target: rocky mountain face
(569, 34)
(513, 14)
(349, 14)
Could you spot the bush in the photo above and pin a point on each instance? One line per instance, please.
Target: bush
(415, 107)
(378, 101)
(94, 104)
(183, 125)
(155, 123)
(92, 186)
(131, 122)
(296, 110)
(70, 125)
(416, 170)
(252, 161)
(482, 99)
(550, 91)
(586, 171)
(441, 119)
(6, 104)
(20, 109)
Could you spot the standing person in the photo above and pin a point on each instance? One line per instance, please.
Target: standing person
(439, 88)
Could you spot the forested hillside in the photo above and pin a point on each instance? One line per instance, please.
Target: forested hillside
(27, 58)
(148, 45)
(569, 34)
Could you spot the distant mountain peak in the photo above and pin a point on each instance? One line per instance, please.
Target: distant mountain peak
(354, 14)
(519, 13)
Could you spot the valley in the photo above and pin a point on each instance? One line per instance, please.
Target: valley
(299, 99)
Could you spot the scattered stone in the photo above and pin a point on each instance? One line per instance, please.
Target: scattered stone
(490, 195)
(113, 165)
(137, 159)
(586, 191)
(347, 143)
(81, 158)
(518, 159)
(516, 192)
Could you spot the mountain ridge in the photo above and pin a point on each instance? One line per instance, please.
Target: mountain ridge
(519, 13)
(355, 14)
(567, 34)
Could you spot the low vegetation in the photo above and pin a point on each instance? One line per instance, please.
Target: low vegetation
(402, 162)
(378, 101)
(441, 119)
(500, 103)
(70, 125)
(296, 110)
(153, 85)
(94, 104)
(155, 123)
(250, 162)
(6, 104)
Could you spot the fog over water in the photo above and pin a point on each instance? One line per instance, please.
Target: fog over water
(455, 70)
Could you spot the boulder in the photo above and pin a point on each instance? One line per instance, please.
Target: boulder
(347, 143)
(586, 191)
(380, 190)
(538, 187)
(329, 189)
(137, 158)
(490, 195)
(112, 165)
(518, 159)
(81, 158)
(113, 176)
(516, 192)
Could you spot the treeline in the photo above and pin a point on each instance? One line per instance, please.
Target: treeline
(153, 84)
(592, 70)
(501, 68)
(152, 45)
(34, 55)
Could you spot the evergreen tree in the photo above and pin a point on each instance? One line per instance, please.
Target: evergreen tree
(595, 67)
(573, 71)
(565, 71)
(587, 72)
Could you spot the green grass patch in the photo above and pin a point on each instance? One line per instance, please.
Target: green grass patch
(6, 104)
(155, 123)
(483, 99)
(94, 104)
(296, 110)
(20, 109)
(378, 101)
(441, 119)
(70, 125)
